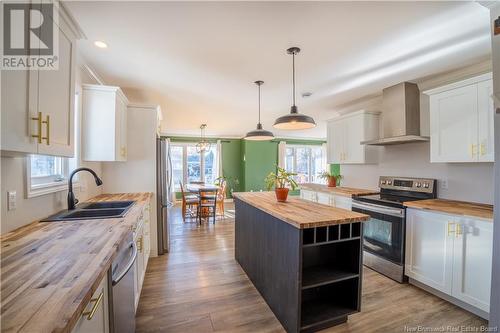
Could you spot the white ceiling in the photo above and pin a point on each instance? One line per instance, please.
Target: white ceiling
(198, 60)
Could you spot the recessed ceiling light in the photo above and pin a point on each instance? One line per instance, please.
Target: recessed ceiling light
(100, 44)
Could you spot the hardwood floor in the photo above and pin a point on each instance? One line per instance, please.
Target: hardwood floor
(199, 287)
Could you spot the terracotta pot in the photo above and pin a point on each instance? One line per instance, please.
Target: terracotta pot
(281, 194)
(332, 181)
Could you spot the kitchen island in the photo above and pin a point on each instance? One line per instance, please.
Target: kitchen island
(303, 257)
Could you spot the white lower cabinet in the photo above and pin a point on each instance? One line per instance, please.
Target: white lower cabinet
(452, 254)
(141, 238)
(429, 249)
(95, 317)
(472, 260)
(308, 195)
(328, 199)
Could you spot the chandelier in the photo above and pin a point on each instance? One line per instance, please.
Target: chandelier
(203, 145)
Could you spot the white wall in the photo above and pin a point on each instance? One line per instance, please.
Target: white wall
(468, 182)
(13, 170)
(138, 173)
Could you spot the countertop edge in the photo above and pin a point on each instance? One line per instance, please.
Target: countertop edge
(488, 216)
(341, 191)
(363, 218)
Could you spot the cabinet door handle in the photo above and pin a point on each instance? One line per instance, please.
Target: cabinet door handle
(97, 301)
(47, 127)
(38, 119)
(451, 231)
(458, 230)
(139, 244)
(482, 149)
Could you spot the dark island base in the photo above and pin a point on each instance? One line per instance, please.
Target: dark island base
(310, 278)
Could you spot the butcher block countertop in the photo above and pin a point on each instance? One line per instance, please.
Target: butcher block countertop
(454, 207)
(339, 190)
(49, 270)
(300, 213)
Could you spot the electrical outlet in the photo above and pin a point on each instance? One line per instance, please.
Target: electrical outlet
(444, 184)
(11, 203)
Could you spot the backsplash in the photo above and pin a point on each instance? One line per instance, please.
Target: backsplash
(465, 181)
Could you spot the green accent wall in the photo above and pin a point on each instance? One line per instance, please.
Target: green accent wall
(259, 158)
(246, 163)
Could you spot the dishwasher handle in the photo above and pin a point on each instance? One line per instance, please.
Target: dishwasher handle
(128, 267)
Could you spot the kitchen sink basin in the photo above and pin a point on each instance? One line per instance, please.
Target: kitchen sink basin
(106, 204)
(93, 210)
(94, 213)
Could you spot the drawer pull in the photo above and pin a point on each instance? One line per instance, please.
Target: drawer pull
(451, 231)
(97, 301)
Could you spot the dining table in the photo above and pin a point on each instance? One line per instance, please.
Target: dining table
(197, 188)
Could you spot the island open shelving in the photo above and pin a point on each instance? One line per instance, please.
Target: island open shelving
(304, 258)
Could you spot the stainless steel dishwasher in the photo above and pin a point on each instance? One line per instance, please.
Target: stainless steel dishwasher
(122, 306)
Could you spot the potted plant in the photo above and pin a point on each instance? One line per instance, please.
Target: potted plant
(333, 180)
(280, 180)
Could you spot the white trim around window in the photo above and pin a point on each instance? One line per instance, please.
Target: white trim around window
(37, 186)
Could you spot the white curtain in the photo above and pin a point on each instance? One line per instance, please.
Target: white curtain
(218, 166)
(324, 165)
(281, 154)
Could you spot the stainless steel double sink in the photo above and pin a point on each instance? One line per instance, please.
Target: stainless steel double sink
(93, 210)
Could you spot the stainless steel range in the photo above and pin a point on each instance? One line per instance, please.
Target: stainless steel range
(384, 233)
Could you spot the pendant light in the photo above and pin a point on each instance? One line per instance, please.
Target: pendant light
(203, 144)
(259, 134)
(294, 120)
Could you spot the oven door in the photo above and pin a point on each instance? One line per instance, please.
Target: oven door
(384, 233)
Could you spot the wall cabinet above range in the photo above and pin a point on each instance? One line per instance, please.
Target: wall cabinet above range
(461, 121)
(345, 134)
(38, 105)
(104, 123)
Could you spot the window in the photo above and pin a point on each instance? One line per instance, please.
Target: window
(306, 161)
(188, 165)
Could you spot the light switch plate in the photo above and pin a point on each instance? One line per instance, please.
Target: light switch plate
(11, 197)
(444, 184)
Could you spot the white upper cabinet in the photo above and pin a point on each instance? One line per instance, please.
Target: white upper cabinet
(38, 105)
(104, 123)
(461, 121)
(345, 134)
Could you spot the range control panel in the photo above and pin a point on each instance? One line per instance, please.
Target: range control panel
(425, 185)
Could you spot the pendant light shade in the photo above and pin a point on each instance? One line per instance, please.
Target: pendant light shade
(294, 120)
(259, 134)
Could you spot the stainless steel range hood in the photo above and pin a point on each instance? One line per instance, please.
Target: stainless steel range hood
(401, 116)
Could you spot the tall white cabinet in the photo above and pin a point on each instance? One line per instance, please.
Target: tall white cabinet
(461, 121)
(38, 105)
(345, 134)
(451, 254)
(104, 123)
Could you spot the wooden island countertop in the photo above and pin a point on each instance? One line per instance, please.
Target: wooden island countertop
(338, 190)
(49, 270)
(300, 213)
(454, 207)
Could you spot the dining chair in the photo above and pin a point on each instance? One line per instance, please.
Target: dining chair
(207, 205)
(190, 201)
(221, 195)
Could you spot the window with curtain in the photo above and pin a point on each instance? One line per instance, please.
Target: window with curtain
(188, 165)
(306, 161)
